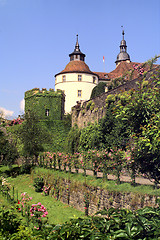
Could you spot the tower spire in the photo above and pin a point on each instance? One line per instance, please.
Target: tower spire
(77, 54)
(123, 55)
(123, 34)
(77, 44)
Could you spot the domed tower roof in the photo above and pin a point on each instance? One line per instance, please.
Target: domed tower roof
(123, 55)
(77, 62)
(76, 67)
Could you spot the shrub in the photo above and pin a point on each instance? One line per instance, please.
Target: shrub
(26, 168)
(38, 184)
(9, 221)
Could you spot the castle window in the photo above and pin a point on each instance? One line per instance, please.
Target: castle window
(79, 93)
(94, 79)
(47, 112)
(72, 58)
(79, 78)
(63, 78)
(81, 58)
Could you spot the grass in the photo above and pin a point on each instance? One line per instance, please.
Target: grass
(99, 182)
(4, 168)
(58, 212)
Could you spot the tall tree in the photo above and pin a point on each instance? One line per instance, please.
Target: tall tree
(33, 135)
(8, 151)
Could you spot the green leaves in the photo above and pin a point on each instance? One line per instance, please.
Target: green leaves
(113, 224)
(33, 135)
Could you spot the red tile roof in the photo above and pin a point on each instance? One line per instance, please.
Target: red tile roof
(120, 70)
(77, 67)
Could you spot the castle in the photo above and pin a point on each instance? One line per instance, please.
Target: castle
(75, 83)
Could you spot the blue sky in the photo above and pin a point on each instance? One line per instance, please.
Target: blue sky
(36, 37)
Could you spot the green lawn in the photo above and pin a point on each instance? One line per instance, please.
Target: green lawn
(99, 182)
(57, 212)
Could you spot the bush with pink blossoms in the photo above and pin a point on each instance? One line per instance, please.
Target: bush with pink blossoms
(15, 121)
(24, 205)
(38, 215)
(24, 202)
(46, 189)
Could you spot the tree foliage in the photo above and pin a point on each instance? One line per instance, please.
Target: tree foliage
(33, 135)
(132, 119)
(72, 140)
(8, 150)
(90, 137)
(97, 90)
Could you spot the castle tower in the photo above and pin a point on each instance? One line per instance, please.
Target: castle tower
(76, 80)
(48, 105)
(123, 55)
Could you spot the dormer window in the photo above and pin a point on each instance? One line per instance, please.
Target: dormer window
(47, 112)
(94, 79)
(63, 78)
(79, 78)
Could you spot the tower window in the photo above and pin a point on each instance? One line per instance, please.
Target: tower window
(94, 79)
(81, 58)
(47, 112)
(63, 78)
(79, 93)
(79, 78)
(72, 58)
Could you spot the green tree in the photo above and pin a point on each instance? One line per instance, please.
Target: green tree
(148, 149)
(72, 140)
(33, 135)
(8, 150)
(90, 137)
(97, 90)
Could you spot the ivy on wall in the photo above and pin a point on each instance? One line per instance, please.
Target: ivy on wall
(48, 105)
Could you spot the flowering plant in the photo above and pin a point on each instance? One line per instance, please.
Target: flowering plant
(46, 189)
(15, 121)
(38, 213)
(5, 186)
(23, 205)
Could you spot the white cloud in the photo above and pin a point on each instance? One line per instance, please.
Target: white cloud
(6, 113)
(22, 104)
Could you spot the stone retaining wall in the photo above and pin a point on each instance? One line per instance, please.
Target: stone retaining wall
(73, 194)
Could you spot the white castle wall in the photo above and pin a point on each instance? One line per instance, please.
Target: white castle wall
(72, 85)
